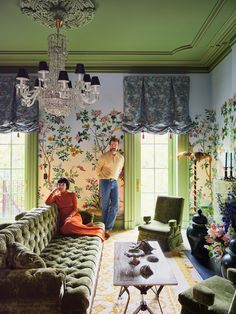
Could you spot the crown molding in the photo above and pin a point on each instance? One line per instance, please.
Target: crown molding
(139, 61)
(214, 12)
(221, 43)
(121, 69)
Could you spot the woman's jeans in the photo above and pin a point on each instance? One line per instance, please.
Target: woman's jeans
(109, 194)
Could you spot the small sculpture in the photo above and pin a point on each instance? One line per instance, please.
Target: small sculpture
(147, 219)
(146, 271)
(135, 253)
(145, 247)
(152, 259)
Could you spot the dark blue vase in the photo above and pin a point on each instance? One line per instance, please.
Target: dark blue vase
(196, 234)
(229, 259)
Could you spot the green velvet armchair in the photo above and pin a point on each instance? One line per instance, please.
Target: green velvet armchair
(215, 295)
(166, 225)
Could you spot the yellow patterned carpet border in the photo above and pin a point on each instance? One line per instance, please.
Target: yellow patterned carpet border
(106, 298)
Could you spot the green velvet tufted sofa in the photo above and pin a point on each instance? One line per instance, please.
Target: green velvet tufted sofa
(42, 271)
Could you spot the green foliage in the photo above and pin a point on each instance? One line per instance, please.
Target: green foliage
(98, 129)
(205, 135)
(228, 111)
(204, 138)
(93, 201)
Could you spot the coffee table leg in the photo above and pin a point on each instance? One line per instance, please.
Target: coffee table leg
(143, 307)
(122, 290)
(157, 293)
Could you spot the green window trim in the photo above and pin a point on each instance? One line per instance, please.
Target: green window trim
(31, 170)
(183, 176)
(178, 176)
(132, 180)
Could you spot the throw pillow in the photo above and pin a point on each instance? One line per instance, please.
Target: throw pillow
(86, 217)
(20, 256)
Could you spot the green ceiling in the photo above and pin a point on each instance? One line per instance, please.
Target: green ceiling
(128, 36)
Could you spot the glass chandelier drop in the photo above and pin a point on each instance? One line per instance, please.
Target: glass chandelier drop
(52, 88)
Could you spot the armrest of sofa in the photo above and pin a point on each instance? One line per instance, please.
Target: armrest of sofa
(203, 295)
(20, 215)
(37, 283)
(231, 275)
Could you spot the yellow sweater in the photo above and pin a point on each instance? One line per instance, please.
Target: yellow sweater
(109, 166)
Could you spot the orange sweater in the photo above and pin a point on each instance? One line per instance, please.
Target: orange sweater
(67, 206)
(66, 203)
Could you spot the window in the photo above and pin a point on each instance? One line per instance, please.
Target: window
(12, 164)
(156, 170)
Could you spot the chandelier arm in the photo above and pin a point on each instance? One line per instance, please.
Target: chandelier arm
(29, 97)
(90, 99)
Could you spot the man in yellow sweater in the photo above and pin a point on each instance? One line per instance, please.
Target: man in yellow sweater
(109, 167)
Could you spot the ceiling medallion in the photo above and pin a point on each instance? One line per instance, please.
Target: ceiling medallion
(73, 13)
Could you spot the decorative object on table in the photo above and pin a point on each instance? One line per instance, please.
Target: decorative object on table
(52, 88)
(135, 254)
(196, 234)
(145, 247)
(152, 259)
(196, 157)
(147, 219)
(146, 271)
(166, 225)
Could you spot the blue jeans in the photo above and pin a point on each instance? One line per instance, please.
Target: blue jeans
(109, 194)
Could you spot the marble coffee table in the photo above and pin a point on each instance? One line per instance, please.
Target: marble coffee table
(128, 274)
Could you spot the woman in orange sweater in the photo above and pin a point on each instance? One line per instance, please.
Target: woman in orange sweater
(70, 219)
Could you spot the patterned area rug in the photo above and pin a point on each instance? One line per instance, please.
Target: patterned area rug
(106, 299)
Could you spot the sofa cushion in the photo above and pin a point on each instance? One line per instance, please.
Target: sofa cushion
(20, 256)
(79, 257)
(156, 226)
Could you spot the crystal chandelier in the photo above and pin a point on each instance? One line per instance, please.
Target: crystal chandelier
(52, 88)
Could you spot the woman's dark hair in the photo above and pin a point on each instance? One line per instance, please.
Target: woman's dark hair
(64, 180)
(114, 139)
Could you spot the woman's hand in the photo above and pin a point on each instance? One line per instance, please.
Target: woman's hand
(56, 191)
(68, 218)
(90, 224)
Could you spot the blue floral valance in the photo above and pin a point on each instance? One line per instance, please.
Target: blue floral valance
(156, 104)
(13, 116)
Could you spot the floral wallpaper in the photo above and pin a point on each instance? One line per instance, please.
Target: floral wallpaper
(204, 138)
(214, 136)
(70, 147)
